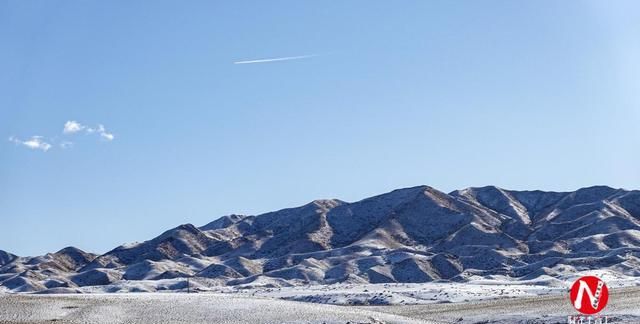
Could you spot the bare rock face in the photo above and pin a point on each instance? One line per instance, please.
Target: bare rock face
(96, 277)
(219, 271)
(6, 257)
(71, 259)
(414, 234)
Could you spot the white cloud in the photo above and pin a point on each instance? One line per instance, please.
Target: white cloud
(276, 59)
(34, 143)
(66, 145)
(104, 134)
(107, 136)
(72, 126)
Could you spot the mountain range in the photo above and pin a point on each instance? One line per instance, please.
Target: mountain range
(416, 234)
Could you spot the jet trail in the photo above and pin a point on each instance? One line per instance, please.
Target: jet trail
(276, 59)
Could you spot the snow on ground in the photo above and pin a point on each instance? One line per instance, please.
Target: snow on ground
(476, 289)
(495, 300)
(178, 308)
(223, 308)
(621, 308)
(437, 292)
(402, 294)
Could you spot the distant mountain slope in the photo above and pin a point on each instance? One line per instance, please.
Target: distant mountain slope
(414, 234)
(6, 257)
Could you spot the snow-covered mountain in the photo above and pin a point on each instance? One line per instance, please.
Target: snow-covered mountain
(414, 234)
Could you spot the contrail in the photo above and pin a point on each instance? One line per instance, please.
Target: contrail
(276, 59)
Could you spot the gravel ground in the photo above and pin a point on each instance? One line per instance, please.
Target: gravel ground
(623, 307)
(178, 308)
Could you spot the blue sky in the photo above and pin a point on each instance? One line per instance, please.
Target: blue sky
(523, 95)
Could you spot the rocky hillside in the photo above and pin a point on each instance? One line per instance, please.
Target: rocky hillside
(415, 234)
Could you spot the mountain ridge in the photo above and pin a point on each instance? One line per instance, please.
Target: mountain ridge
(414, 234)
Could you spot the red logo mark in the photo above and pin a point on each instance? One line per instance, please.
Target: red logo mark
(589, 295)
